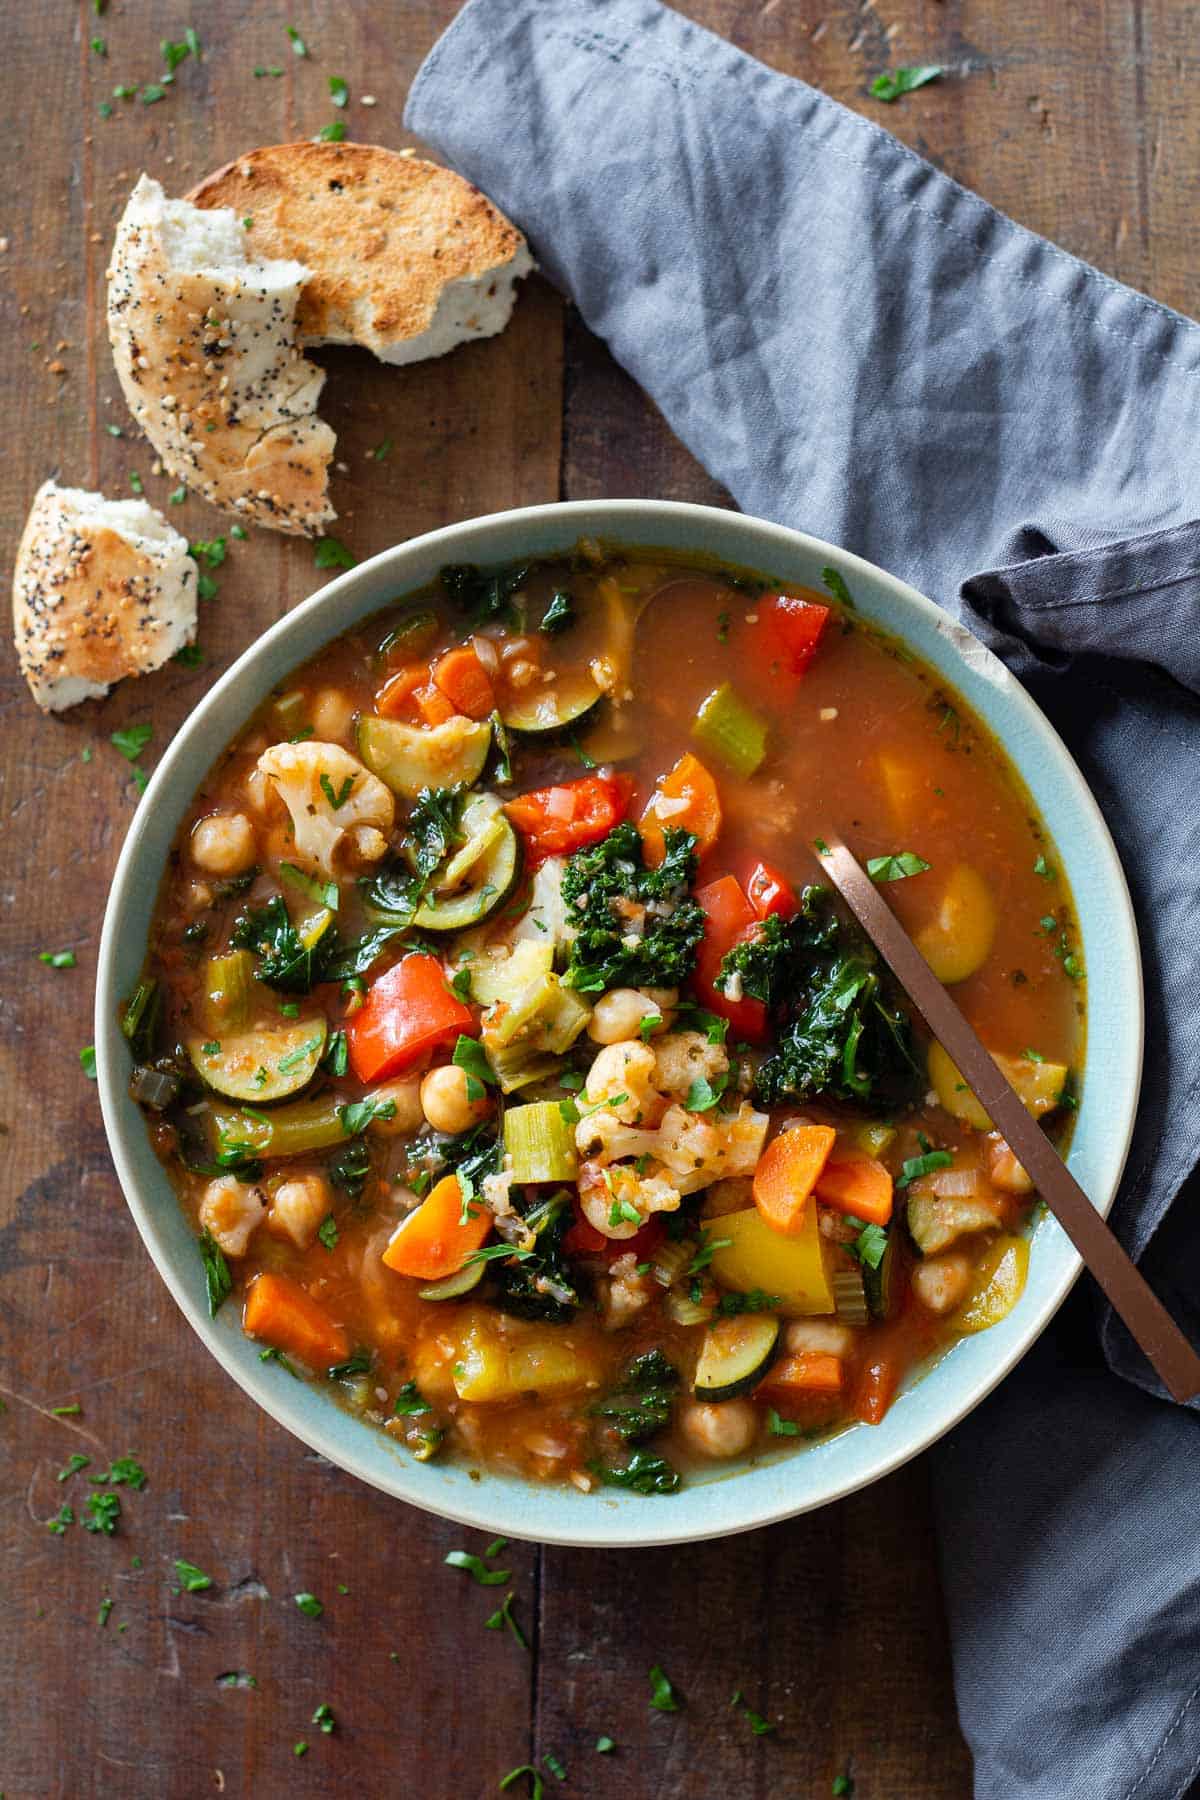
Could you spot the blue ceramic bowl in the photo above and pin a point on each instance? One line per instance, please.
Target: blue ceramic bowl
(776, 1485)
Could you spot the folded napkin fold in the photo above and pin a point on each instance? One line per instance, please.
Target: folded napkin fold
(857, 346)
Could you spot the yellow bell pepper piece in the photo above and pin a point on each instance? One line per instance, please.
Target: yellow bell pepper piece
(959, 938)
(998, 1285)
(1039, 1084)
(791, 1269)
(490, 1367)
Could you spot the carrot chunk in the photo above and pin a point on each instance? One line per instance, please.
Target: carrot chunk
(688, 781)
(433, 705)
(810, 1372)
(464, 681)
(395, 698)
(853, 1182)
(787, 1173)
(283, 1314)
(436, 1239)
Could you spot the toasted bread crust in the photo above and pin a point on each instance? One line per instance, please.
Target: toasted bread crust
(209, 366)
(90, 606)
(384, 237)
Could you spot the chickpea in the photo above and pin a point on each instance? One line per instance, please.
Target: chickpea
(445, 1102)
(405, 1096)
(333, 715)
(819, 1335)
(727, 1429)
(231, 1212)
(618, 1016)
(224, 844)
(298, 1208)
(941, 1282)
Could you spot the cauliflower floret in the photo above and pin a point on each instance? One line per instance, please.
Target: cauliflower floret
(333, 801)
(683, 1056)
(232, 1212)
(625, 1293)
(622, 1078)
(700, 1148)
(609, 1196)
(602, 1137)
(745, 1137)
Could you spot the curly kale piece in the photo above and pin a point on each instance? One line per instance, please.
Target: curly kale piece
(642, 1404)
(484, 594)
(838, 1032)
(607, 890)
(541, 1286)
(433, 831)
(284, 962)
(643, 1473)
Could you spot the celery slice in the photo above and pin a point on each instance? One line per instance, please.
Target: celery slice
(539, 1143)
(287, 1131)
(849, 1296)
(730, 729)
(228, 986)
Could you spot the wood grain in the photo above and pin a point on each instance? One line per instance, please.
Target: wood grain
(1075, 118)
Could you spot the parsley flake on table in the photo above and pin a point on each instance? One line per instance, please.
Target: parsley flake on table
(324, 1717)
(330, 552)
(106, 1607)
(57, 959)
(309, 1605)
(105, 1510)
(191, 1579)
(87, 1061)
(502, 1618)
(333, 133)
(477, 1568)
(131, 740)
(604, 1744)
(125, 1471)
(759, 1726)
(554, 1765)
(64, 1517)
(299, 47)
(74, 1464)
(663, 1697)
(895, 82)
(339, 92)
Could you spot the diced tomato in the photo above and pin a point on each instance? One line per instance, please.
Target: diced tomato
(788, 631)
(556, 820)
(729, 920)
(407, 1012)
(770, 893)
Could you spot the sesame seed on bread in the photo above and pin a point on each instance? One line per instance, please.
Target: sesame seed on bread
(102, 589)
(204, 341)
(403, 257)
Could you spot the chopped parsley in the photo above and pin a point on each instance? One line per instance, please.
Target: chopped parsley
(105, 1510)
(324, 1717)
(333, 133)
(410, 1402)
(337, 800)
(356, 1115)
(559, 614)
(778, 1427)
(131, 740)
(126, 1471)
(915, 1166)
(871, 1243)
(895, 82)
(478, 1569)
(502, 1619)
(898, 867)
(663, 1697)
(327, 1232)
(106, 1607)
(537, 1787)
(1042, 867)
(74, 1464)
(64, 1517)
(331, 553)
(604, 1744)
(309, 1605)
(836, 585)
(470, 1057)
(57, 959)
(299, 47)
(217, 1279)
(339, 93)
(758, 1725)
(191, 1579)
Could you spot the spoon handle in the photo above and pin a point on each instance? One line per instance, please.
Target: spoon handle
(1164, 1344)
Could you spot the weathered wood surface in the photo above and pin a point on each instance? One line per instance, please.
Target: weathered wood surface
(1076, 118)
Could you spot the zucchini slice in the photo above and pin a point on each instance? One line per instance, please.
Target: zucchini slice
(454, 1286)
(411, 757)
(882, 1285)
(261, 1066)
(488, 867)
(735, 1355)
(547, 707)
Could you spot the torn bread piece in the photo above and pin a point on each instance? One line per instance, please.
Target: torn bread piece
(404, 257)
(102, 589)
(204, 339)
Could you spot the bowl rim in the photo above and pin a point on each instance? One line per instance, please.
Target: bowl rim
(632, 522)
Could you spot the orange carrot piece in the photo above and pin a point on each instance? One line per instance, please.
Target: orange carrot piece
(689, 780)
(853, 1182)
(395, 698)
(282, 1313)
(434, 707)
(465, 682)
(435, 1240)
(810, 1372)
(787, 1173)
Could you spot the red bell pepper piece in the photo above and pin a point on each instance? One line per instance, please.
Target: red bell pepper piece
(729, 919)
(407, 1012)
(789, 630)
(556, 820)
(769, 892)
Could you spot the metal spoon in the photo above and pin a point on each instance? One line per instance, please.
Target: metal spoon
(1165, 1346)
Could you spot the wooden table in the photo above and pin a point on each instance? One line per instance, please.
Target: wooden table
(1075, 118)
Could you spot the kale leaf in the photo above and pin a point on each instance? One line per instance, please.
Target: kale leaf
(642, 1404)
(433, 831)
(284, 961)
(540, 1286)
(644, 1473)
(484, 594)
(767, 962)
(608, 892)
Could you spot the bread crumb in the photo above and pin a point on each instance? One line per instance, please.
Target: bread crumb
(827, 713)
(368, 100)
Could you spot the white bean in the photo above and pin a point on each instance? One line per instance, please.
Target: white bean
(727, 1429)
(941, 1282)
(822, 1336)
(333, 715)
(224, 844)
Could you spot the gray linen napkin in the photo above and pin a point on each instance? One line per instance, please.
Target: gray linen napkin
(857, 346)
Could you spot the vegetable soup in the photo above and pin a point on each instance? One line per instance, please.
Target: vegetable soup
(522, 1079)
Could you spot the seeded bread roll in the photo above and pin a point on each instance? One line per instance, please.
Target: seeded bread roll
(403, 257)
(204, 340)
(102, 589)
